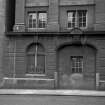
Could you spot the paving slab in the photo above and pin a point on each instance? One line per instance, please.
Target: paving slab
(50, 100)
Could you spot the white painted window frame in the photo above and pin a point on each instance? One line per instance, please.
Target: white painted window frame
(77, 64)
(37, 20)
(77, 19)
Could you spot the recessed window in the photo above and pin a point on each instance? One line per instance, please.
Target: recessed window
(37, 20)
(71, 19)
(35, 59)
(77, 18)
(77, 64)
(82, 18)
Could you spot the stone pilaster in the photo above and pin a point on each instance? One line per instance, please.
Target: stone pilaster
(53, 22)
(2, 36)
(100, 15)
(19, 16)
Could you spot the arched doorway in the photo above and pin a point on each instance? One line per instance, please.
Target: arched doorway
(76, 67)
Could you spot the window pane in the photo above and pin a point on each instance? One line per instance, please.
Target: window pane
(84, 24)
(41, 63)
(43, 16)
(84, 13)
(40, 25)
(30, 23)
(69, 24)
(31, 64)
(44, 24)
(80, 19)
(34, 23)
(80, 13)
(80, 25)
(84, 19)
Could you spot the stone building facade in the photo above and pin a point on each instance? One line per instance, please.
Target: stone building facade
(54, 44)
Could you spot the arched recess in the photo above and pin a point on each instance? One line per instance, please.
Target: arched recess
(76, 66)
(35, 59)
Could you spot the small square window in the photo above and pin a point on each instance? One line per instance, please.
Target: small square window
(77, 64)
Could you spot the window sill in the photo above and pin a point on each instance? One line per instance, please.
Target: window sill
(37, 75)
(36, 29)
(81, 28)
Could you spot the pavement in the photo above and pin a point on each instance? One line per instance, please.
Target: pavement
(52, 92)
(51, 97)
(50, 100)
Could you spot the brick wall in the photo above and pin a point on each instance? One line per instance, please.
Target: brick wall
(94, 63)
(51, 43)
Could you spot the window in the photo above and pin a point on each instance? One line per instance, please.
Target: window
(37, 20)
(77, 64)
(71, 19)
(35, 59)
(77, 18)
(82, 18)
(32, 20)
